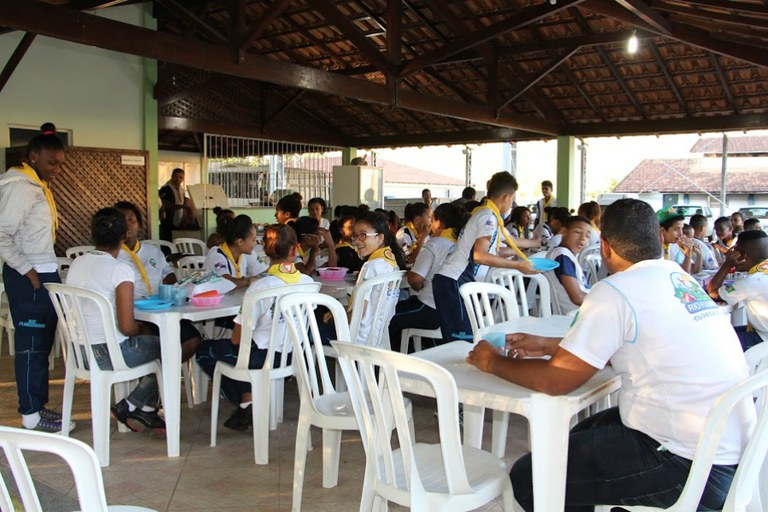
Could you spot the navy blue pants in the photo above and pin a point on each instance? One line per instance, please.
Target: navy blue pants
(35, 322)
(454, 322)
(611, 464)
(411, 313)
(748, 339)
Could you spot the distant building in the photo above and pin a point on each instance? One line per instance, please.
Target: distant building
(406, 182)
(694, 181)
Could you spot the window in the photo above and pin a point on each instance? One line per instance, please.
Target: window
(22, 136)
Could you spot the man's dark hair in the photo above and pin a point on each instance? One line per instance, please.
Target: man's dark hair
(671, 221)
(468, 193)
(697, 221)
(425, 190)
(751, 224)
(305, 226)
(129, 206)
(753, 245)
(108, 228)
(738, 214)
(632, 229)
(724, 221)
(501, 183)
(418, 209)
(547, 183)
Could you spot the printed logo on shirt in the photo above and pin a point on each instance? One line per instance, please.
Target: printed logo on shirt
(730, 288)
(219, 266)
(153, 262)
(32, 324)
(690, 293)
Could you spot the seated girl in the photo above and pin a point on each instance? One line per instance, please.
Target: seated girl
(280, 245)
(311, 239)
(592, 212)
(519, 222)
(317, 208)
(573, 286)
(216, 237)
(346, 252)
(226, 259)
(288, 209)
(419, 310)
(414, 233)
(100, 270)
(150, 270)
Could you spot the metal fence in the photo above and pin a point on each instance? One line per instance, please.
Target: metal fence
(257, 172)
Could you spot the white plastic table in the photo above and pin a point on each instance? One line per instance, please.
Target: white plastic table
(167, 320)
(549, 416)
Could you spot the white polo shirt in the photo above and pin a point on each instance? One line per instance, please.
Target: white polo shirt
(753, 292)
(569, 266)
(220, 264)
(153, 259)
(675, 351)
(374, 268)
(482, 224)
(430, 259)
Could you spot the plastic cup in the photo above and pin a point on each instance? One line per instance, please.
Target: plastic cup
(497, 339)
(180, 296)
(167, 291)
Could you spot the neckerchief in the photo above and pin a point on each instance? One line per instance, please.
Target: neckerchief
(760, 267)
(410, 227)
(228, 253)
(449, 234)
(30, 173)
(134, 254)
(287, 272)
(346, 244)
(302, 252)
(490, 205)
(386, 254)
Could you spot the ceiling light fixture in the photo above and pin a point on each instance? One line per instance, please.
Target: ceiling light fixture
(632, 43)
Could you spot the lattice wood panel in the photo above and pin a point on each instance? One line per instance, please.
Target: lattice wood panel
(91, 179)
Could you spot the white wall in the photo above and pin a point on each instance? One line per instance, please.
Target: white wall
(95, 93)
(407, 190)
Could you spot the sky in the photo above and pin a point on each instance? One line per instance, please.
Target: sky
(609, 159)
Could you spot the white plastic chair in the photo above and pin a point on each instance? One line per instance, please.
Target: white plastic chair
(594, 268)
(69, 301)
(557, 308)
(487, 304)
(188, 264)
(6, 322)
(78, 456)
(417, 334)
(446, 476)
(63, 263)
(266, 382)
(377, 314)
(587, 251)
(529, 302)
(744, 495)
(162, 243)
(190, 246)
(757, 358)
(78, 250)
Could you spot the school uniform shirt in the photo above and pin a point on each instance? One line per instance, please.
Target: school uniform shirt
(254, 266)
(752, 290)
(540, 213)
(709, 261)
(554, 241)
(264, 309)
(100, 272)
(594, 236)
(374, 268)
(325, 223)
(674, 350)
(429, 260)
(405, 238)
(482, 224)
(673, 253)
(155, 266)
(217, 262)
(569, 266)
(544, 232)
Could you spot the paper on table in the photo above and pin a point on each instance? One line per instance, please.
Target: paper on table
(220, 285)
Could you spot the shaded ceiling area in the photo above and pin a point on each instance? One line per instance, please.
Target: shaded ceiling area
(370, 73)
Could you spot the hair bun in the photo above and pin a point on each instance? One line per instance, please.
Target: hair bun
(48, 129)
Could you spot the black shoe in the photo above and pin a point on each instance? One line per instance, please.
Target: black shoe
(120, 412)
(241, 419)
(141, 421)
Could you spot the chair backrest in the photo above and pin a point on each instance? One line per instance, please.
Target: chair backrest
(514, 280)
(162, 243)
(69, 302)
(63, 263)
(757, 358)
(590, 249)
(487, 304)
(554, 282)
(79, 250)
(593, 268)
(191, 262)
(309, 363)
(278, 341)
(373, 306)
(373, 380)
(80, 458)
(190, 246)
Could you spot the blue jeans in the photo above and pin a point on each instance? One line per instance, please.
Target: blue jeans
(34, 320)
(611, 464)
(747, 339)
(136, 350)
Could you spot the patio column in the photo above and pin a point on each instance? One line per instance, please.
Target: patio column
(567, 186)
(151, 130)
(347, 154)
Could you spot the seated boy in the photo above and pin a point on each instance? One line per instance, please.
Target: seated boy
(477, 249)
(573, 283)
(725, 237)
(700, 226)
(749, 255)
(557, 217)
(737, 220)
(752, 225)
(675, 246)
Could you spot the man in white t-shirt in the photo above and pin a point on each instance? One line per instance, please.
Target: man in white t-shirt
(749, 255)
(675, 352)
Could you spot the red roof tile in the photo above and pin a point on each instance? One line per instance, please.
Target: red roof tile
(749, 144)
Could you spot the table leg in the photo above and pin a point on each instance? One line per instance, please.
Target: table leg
(171, 363)
(549, 424)
(473, 425)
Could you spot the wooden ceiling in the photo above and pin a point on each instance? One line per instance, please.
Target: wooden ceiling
(370, 73)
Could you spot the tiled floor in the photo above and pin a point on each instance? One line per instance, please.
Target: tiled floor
(224, 477)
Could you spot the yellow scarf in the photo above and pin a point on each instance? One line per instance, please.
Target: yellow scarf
(29, 172)
(228, 253)
(302, 252)
(286, 272)
(490, 205)
(409, 225)
(760, 267)
(386, 254)
(449, 234)
(133, 253)
(346, 244)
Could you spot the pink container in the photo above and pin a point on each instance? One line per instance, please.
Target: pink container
(206, 301)
(333, 273)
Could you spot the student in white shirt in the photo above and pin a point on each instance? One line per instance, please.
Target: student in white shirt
(592, 212)
(311, 238)
(547, 201)
(726, 238)
(749, 255)
(675, 352)
(550, 232)
(418, 311)
(572, 285)
(317, 208)
(675, 246)
(700, 226)
(477, 249)
(415, 231)
(101, 271)
(280, 245)
(226, 259)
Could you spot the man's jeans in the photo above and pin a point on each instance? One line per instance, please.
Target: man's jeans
(136, 350)
(610, 464)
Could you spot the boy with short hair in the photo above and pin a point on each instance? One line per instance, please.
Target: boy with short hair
(550, 232)
(477, 249)
(725, 238)
(547, 201)
(750, 254)
(752, 225)
(700, 226)
(573, 285)
(675, 246)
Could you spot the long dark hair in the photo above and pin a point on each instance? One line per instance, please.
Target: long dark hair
(232, 229)
(380, 223)
(451, 216)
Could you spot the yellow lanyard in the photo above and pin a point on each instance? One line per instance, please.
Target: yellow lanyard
(26, 170)
(490, 205)
(228, 253)
(449, 234)
(302, 252)
(287, 272)
(386, 254)
(134, 254)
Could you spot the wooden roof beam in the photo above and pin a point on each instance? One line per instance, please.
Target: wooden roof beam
(617, 75)
(731, 5)
(663, 67)
(444, 138)
(282, 108)
(723, 82)
(661, 126)
(580, 90)
(192, 90)
(647, 14)
(526, 17)
(190, 17)
(735, 19)
(15, 58)
(258, 27)
(569, 42)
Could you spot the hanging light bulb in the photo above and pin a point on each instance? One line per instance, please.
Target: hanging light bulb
(632, 43)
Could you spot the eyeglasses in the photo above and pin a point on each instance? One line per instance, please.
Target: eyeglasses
(362, 236)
